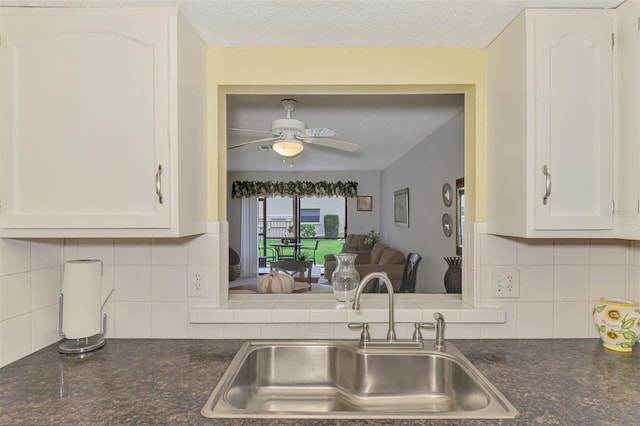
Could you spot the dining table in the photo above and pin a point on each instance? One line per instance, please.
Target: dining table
(282, 252)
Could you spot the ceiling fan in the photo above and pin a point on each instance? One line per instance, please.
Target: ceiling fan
(289, 135)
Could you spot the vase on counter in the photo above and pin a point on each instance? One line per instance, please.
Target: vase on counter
(618, 323)
(453, 275)
(345, 277)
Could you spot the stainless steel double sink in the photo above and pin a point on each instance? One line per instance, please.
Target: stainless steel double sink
(337, 379)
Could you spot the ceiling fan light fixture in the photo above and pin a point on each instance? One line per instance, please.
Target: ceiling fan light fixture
(288, 148)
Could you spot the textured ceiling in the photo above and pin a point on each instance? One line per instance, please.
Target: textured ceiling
(344, 23)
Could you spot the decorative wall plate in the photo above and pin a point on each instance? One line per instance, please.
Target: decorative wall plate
(447, 226)
(447, 195)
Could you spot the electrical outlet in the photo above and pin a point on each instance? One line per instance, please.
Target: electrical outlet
(505, 282)
(197, 282)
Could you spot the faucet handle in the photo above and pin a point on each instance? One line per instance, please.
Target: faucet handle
(364, 336)
(417, 335)
(439, 330)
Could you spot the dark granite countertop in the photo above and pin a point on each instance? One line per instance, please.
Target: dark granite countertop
(144, 381)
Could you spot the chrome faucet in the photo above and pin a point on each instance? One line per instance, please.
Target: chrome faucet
(439, 345)
(391, 342)
(391, 333)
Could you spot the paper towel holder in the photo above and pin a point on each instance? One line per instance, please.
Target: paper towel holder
(83, 344)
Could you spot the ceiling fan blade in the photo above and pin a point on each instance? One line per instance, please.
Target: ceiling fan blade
(249, 130)
(252, 142)
(323, 133)
(334, 143)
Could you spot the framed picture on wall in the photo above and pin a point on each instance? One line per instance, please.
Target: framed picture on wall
(401, 207)
(364, 203)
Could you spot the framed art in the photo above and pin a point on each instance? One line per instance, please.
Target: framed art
(401, 207)
(364, 203)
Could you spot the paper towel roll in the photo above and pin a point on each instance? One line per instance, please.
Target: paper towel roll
(82, 298)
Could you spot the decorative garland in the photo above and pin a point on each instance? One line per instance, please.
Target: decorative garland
(247, 189)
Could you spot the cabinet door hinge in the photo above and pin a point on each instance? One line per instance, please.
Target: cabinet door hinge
(613, 40)
(613, 202)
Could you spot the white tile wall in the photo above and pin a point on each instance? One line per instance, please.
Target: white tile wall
(132, 319)
(169, 319)
(15, 292)
(133, 283)
(148, 277)
(560, 281)
(30, 282)
(169, 283)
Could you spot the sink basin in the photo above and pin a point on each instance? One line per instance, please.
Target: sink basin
(337, 379)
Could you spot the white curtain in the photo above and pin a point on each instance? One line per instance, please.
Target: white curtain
(249, 237)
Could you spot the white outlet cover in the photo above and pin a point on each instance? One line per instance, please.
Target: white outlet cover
(505, 283)
(198, 282)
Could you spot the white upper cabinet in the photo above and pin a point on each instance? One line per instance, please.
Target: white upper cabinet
(550, 125)
(103, 123)
(628, 46)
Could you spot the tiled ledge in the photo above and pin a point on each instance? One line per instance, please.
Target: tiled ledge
(322, 308)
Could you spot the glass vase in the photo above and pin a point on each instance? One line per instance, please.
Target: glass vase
(345, 277)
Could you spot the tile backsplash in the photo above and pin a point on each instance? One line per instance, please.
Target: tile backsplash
(30, 283)
(148, 278)
(560, 280)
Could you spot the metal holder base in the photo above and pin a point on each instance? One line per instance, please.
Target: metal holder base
(80, 346)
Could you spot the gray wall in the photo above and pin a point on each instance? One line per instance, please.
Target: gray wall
(439, 158)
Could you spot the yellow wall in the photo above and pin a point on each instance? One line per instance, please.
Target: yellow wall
(348, 71)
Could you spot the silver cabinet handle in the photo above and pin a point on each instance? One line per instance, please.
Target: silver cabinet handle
(547, 184)
(159, 183)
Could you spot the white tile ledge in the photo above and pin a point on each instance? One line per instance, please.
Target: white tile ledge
(322, 308)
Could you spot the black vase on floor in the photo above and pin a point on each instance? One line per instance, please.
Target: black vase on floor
(453, 275)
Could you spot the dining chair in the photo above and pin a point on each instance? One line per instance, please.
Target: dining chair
(293, 268)
(304, 250)
(409, 273)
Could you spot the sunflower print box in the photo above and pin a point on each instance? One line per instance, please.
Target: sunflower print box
(618, 323)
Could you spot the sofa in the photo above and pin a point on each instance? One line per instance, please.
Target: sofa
(353, 243)
(381, 258)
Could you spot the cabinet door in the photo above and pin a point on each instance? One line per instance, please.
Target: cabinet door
(572, 107)
(85, 119)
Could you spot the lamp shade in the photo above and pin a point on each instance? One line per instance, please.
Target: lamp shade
(288, 148)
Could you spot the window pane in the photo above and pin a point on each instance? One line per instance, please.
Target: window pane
(309, 215)
(313, 211)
